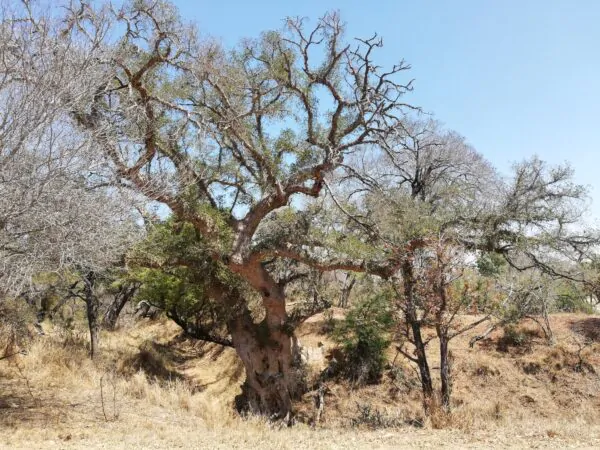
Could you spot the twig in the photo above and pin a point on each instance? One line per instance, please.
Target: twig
(20, 352)
(36, 400)
(102, 397)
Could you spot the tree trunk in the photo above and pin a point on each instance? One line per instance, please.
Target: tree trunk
(413, 321)
(125, 293)
(272, 376)
(445, 369)
(424, 371)
(273, 373)
(346, 289)
(92, 304)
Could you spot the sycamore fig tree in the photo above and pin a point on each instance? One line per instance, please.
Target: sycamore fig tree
(225, 137)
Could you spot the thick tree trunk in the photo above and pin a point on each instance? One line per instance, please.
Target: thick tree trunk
(273, 376)
(271, 381)
(126, 292)
(92, 304)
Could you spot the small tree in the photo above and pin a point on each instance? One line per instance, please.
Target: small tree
(364, 337)
(434, 204)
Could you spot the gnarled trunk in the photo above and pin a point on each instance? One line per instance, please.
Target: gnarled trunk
(273, 377)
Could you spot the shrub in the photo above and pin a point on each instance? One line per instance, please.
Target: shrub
(573, 304)
(363, 336)
(514, 337)
(373, 418)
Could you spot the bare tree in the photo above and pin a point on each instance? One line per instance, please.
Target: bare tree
(58, 212)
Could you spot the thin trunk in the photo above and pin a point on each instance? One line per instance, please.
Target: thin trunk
(424, 371)
(346, 289)
(547, 329)
(445, 369)
(417, 337)
(92, 304)
(122, 297)
(441, 329)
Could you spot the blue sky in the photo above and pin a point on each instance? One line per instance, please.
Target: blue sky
(516, 78)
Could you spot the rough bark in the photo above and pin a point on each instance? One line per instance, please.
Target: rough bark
(271, 362)
(272, 378)
(92, 304)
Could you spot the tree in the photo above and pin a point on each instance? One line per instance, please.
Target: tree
(123, 290)
(434, 204)
(224, 139)
(57, 214)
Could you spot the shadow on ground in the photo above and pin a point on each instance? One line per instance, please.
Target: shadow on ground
(589, 328)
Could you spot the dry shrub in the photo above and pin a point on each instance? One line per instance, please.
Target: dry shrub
(16, 318)
(150, 360)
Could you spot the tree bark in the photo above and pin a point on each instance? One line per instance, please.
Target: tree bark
(417, 337)
(92, 304)
(125, 293)
(424, 371)
(346, 289)
(446, 389)
(272, 375)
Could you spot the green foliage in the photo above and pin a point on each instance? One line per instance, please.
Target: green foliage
(574, 305)
(515, 337)
(362, 335)
(571, 298)
(177, 272)
(490, 264)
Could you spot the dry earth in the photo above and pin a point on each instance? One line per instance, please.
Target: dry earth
(153, 389)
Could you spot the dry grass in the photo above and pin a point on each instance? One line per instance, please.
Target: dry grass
(153, 389)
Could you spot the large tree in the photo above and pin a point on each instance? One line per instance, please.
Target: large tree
(224, 138)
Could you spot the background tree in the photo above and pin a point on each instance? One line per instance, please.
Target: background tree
(434, 203)
(57, 214)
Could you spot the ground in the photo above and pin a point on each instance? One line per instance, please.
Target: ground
(154, 389)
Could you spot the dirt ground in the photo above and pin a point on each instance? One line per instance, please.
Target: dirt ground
(154, 389)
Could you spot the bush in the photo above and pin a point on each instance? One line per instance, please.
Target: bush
(373, 418)
(363, 336)
(514, 337)
(573, 304)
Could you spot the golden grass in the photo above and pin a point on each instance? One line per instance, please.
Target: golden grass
(151, 389)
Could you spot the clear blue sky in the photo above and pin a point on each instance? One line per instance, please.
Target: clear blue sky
(516, 78)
